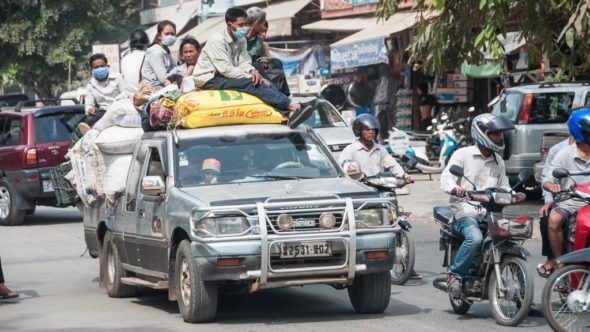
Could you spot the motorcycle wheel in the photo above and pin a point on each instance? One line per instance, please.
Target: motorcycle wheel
(564, 296)
(405, 254)
(511, 305)
(459, 305)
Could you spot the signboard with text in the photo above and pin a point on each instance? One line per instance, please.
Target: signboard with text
(113, 54)
(363, 53)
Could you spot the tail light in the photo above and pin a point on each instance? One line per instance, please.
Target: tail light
(527, 107)
(32, 157)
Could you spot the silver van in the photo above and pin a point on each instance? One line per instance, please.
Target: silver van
(535, 110)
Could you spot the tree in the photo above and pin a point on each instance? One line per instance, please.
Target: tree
(465, 29)
(40, 39)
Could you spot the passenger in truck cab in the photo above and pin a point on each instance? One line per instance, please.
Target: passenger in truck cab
(210, 170)
(575, 158)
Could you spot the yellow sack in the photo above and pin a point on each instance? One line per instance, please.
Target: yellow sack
(222, 107)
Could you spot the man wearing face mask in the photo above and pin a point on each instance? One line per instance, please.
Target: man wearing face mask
(102, 90)
(224, 63)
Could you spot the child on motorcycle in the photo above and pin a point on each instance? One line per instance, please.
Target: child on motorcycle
(372, 157)
(575, 158)
(482, 163)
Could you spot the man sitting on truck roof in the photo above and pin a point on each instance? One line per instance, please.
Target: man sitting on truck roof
(224, 63)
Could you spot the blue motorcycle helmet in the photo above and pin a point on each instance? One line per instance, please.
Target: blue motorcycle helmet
(579, 125)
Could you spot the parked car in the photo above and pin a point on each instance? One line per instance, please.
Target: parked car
(10, 100)
(535, 110)
(274, 217)
(330, 125)
(32, 141)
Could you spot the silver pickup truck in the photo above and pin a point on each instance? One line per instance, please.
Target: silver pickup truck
(280, 213)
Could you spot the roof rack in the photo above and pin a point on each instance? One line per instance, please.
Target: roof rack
(33, 103)
(547, 85)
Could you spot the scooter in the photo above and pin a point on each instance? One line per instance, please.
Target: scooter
(405, 252)
(566, 295)
(499, 272)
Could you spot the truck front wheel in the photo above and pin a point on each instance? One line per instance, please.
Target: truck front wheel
(197, 300)
(370, 293)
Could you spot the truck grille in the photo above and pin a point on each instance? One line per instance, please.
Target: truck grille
(299, 219)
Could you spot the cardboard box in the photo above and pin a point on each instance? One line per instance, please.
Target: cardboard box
(456, 77)
(463, 84)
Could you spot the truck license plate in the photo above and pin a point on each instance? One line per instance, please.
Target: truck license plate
(306, 249)
(47, 186)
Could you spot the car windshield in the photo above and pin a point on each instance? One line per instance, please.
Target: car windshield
(250, 158)
(325, 115)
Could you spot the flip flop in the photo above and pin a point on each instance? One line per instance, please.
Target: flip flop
(543, 271)
(9, 295)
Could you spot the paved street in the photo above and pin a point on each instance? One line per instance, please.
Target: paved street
(44, 261)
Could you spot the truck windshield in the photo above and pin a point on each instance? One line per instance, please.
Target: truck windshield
(250, 158)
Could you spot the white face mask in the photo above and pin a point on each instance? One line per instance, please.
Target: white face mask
(168, 40)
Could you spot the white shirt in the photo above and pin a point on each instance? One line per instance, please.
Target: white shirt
(483, 172)
(373, 161)
(131, 69)
(223, 56)
(102, 94)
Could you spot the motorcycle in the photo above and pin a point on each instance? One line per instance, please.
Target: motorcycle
(499, 272)
(405, 252)
(566, 295)
(446, 138)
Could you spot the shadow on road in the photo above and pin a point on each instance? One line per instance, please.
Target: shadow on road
(53, 217)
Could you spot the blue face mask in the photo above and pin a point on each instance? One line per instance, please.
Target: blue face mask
(241, 32)
(100, 73)
(169, 40)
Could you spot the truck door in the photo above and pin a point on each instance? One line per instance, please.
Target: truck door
(152, 237)
(129, 215)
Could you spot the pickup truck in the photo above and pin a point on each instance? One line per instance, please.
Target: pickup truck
(280, 213)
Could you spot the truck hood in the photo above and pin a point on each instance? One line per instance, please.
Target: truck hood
(252, 192)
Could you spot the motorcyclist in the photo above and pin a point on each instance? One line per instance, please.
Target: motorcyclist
(372, 158)
(574, 158)
(484, 166)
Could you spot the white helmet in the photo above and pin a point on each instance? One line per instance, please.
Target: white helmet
(483, 124)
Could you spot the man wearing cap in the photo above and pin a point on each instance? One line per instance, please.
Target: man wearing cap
(210, 170)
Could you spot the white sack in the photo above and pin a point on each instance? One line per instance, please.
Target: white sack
(117, 167)
(121, 113)
(118, 140)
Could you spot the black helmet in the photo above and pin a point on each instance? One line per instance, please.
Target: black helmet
(365, 121)
(138, 40)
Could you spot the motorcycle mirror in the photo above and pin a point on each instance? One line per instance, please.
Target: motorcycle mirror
(471, 109)
(456, 170)
(524, 175)
(559, 173)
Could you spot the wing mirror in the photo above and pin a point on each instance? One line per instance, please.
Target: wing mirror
(153, 185)
(560, 173)
(456, 170)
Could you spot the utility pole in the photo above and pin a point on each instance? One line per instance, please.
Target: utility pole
(70, 75)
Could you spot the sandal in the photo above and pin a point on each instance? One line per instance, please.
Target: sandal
(9, 295)
(543, 271)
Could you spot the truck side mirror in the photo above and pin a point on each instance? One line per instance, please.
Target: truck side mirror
(559, 173)
(153, 185)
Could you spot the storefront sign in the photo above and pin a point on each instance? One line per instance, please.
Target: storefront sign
(363, 53)
(336, 4)
(302, 61)
(279, 27)
(112, 53)
(343, 80)
(363, 2)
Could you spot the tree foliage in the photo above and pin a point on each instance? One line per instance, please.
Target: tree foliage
(466, 29)
(39, 39)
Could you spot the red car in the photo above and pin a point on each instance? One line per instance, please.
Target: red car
(32, 141)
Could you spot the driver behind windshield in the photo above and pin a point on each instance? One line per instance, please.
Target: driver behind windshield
(482, 163)
(210, 171)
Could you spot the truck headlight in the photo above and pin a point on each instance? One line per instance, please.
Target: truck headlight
(224, 225)
(369, 217)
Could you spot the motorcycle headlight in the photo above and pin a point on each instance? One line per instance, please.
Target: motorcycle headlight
(369, 217)
(502, 198)
(388, 182)
(224, 225)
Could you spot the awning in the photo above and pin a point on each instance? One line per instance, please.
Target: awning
(244, 3)
(367, 46)
(342, 24)
(280, 17)
(491, 68)
(180, 15)
(203, 31)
